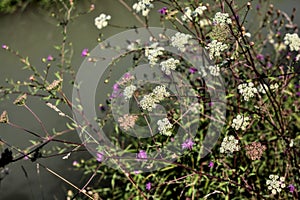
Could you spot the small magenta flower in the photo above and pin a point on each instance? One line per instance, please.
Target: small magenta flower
(291, 187)
(142, 154)
(99, 157)
(188, 144)
(85, 53)
(50, 58)
(75, 163)
(260, 57)
(193, 70)
(163, 10)
(4, 46)
(211, 164)
(148, 186)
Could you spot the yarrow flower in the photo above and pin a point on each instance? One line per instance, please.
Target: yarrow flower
(164, 127)
(128, 91)
(152, 52)
(240, 122)
(216, 48)
(149, 101)
(168, 65)
(143, 6)
(4, 117)
(20, 101)
(275, 184)
(180, 40)
(142, 154)
(247, 90)
(127, 121)
(189, 14)
(255, 150)
(102, 20)
(187, 144)
(214, 70)
(229, 145)
(293, 41)
(54, 85)
(222, 18)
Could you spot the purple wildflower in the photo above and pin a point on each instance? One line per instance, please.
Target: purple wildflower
(50, 58)
(188, 144)
(142, 154)
(163, 10)
(193, 70)
(298, 94)
(75, 163)
(115, 91)
(269, 65)
(99, 157)
(85, 53)
(260, 57)
(4, 46)
(148, 186)
(211, 164)
(292, 188)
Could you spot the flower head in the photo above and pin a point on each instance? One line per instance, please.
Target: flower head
(142, 154)
(211, 164)
(50, 58)
(4, 117)
(102, 20)
(128, 91)
(240, 122)
(127, 121)
(85, 53)
(187, 144)
(180, 40)
(164, 127)
(275, 184)
(255, 150)
(229, 145)
(293, 41)
(99, 157)
(20, 101)
(148, 186)
(291, 187)
(193, 70)
(163, 10)
(4, 47)
(168, 65)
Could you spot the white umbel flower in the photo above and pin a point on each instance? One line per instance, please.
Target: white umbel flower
(240, 122)
(229, 145)
(102, 20)
(222, 18)
(180, 40)
(168, 65)
(247, 90)
(187, 14)
(214, 70)
(293, 41)
(164, 127)
(153, 52)
(200, 10)
(275, 184)
(128, 91)
(216, 48)
(143, 6)
(149, 101)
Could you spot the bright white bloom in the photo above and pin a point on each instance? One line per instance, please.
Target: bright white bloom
(134, 45)
(240, 122)
(128, 91)
(204, 22)
(215, 48)
(160, 92)
(274, 86)
(153, 52)
(164, 127)
(200, 9)
(247, 90)
(275, 184)
(168, 65)
(187, 14)
(143, 6)
(229, 145)
(149, 101)
(293, 41)
(180, 40)
(262, 88)
(214, 70)
(102, 20)
(222, 18)
(297, 57)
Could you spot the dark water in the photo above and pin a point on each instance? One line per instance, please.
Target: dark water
(34, 34)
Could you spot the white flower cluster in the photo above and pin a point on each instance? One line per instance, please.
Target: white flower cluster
(273, 87)
(240, 122)
(134, 45)
(128, 91)
(189, 14)
(222, 18)
(149, 101)
(229, 145)
(247, 90)
(215, 48)
(143, 6)
(152, 52)
(180, 40)
(293, 41)
(168, 65)
(102, 20)
(274, 184)
(214, 70)
(164, 127)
